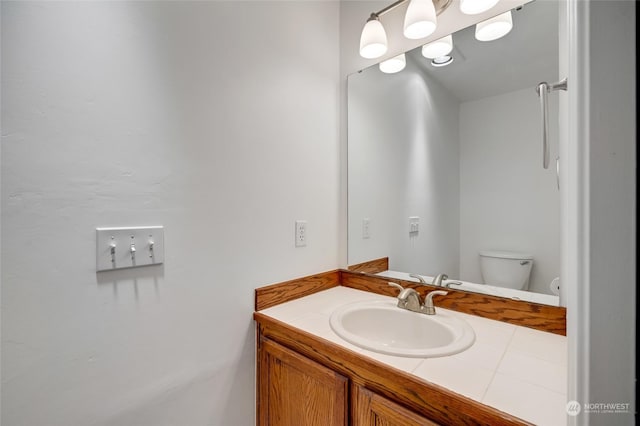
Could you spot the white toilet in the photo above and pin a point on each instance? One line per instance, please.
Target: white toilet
(506, 269)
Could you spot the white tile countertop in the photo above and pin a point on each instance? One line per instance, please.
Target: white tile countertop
(518, 370)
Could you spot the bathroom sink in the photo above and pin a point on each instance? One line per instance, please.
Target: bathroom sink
(382, 327)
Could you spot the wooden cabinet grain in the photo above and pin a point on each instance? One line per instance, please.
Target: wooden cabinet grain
(295, 391)
(371, 409)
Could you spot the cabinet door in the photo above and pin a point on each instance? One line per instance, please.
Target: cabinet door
(371, 409)
(295, 391)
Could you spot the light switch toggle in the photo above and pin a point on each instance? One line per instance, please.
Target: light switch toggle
(112, 250)
(132, 249)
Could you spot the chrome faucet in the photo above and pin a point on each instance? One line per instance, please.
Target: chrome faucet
(409, 299)
(429, 309)
(419, 278)
(437, 281)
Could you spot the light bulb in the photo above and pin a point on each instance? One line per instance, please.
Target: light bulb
(473, 7)
(420, 19)
(494, 28)
(393, 65)
(442, 61)
(438, 48)
(373, 41)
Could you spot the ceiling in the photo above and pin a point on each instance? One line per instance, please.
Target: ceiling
(523, 58)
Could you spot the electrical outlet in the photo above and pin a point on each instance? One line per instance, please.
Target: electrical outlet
(366, 225)
(301, 233)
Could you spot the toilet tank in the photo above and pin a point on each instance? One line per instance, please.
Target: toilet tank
(506, 269)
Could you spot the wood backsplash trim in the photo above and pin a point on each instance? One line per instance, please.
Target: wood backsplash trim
(552, 319)
(428, 399)
(371, 266)
(272, 295)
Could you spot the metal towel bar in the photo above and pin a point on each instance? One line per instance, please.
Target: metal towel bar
(542, 90)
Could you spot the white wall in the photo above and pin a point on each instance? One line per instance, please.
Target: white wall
(403, 151)
(218, 120)
(503, 162)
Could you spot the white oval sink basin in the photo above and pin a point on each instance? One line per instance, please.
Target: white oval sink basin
(383, 327)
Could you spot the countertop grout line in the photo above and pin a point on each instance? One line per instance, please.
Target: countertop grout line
(495, 371)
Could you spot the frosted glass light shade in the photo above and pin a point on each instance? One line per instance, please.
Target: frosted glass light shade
(494, 28)
(438, 48)
(373, 40)
(473, 7)
(420, 19)
(393, 65)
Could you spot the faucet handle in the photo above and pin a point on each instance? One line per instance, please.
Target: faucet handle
(436, 293)
(419, 278)
(450, 283)
(396, 285)
(429, 309)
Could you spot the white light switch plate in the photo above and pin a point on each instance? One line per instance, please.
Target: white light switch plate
(414, 225)
(132, 247)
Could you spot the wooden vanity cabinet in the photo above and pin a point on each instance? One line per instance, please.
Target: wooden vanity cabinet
(303, 380)
(295, 391)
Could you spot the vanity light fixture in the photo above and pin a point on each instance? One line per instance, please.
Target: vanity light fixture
(420, 21)
(373, 40)
(473, 7)
(438, 48)
(442, 61)
(494, 28)
(393, 65)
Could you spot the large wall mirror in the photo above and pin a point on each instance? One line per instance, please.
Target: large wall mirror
(445, 163)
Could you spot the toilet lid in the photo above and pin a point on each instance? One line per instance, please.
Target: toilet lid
(506, 255)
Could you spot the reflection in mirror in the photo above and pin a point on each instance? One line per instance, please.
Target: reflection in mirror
(445, 163)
